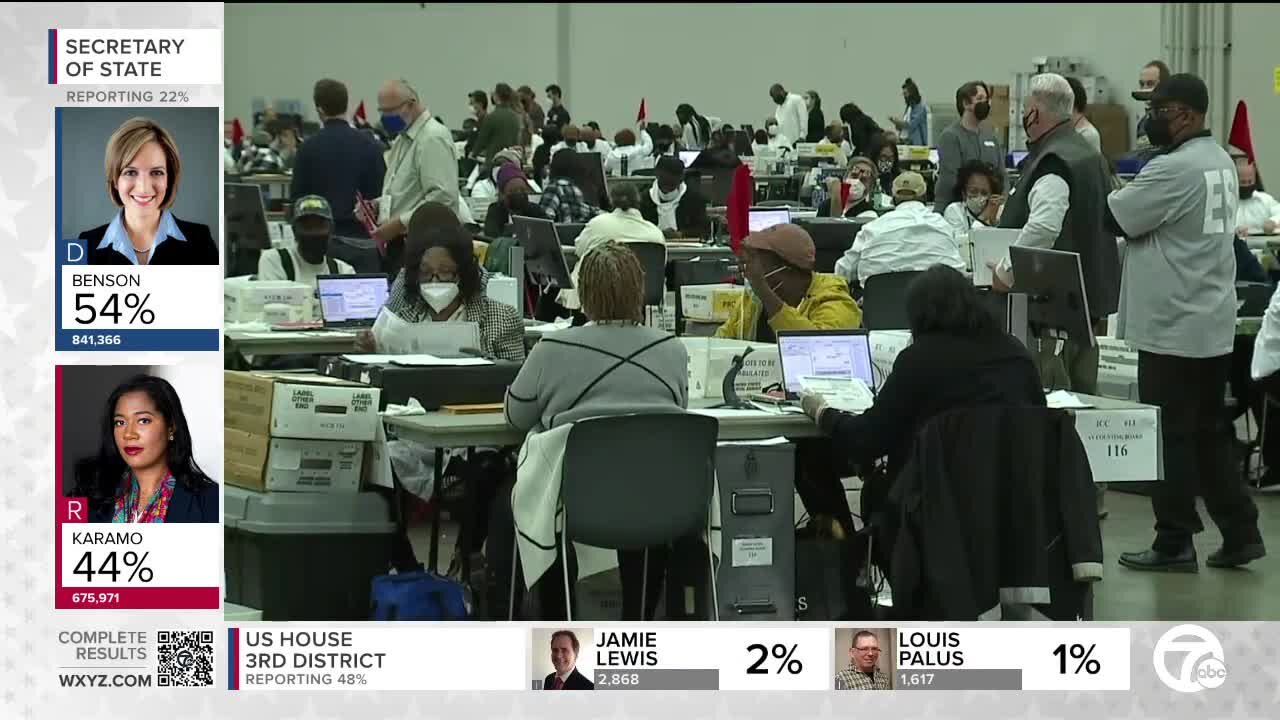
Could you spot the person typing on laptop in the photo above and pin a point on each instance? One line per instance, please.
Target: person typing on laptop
(959, 357)
(308, 257)
(442, 282)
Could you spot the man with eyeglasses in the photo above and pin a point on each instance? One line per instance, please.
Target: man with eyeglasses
(422, 166)
(1178, 309)
(864, 671)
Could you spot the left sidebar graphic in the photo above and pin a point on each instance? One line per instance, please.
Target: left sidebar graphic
(137, 227)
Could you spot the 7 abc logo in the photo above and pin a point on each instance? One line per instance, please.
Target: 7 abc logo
(1198, 656)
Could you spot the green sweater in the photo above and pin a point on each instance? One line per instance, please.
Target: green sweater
(499, 130)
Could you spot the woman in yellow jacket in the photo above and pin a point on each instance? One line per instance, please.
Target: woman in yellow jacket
(778, 266)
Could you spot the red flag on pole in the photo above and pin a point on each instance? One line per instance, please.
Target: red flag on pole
(738, 203)
(237, 132)
(641, 116)
(360, 112)
(1240, 136)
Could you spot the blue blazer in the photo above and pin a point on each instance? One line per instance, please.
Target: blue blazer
(185, 506)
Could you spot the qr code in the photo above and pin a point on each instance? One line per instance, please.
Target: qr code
(185, 658)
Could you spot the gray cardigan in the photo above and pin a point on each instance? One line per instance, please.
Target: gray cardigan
(957, 146)
(598, 370)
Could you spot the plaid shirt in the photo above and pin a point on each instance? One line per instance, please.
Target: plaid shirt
(258, 160)
(501, 329)
(851, 679)
(563, 202)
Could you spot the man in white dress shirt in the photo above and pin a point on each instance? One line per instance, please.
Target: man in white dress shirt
(911, 237)
(792, 117)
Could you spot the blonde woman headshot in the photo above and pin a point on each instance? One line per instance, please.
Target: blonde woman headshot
(143, 168)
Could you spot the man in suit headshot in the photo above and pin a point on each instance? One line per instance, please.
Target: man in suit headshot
(564, 657)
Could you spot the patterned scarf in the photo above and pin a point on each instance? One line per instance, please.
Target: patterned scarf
(127, 510)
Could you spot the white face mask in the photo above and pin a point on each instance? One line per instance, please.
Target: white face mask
(976, 203)
(773, 131)
(438, 295)
(857, 191)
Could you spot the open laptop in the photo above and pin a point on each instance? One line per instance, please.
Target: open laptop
(764, 218)
(839, 354)
(351, 301)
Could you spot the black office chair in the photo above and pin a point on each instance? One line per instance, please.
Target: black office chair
(653, 260)
(884, 301)
(620, 494)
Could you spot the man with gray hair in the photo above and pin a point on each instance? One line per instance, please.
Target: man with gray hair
(422, 166)
(1058, 203)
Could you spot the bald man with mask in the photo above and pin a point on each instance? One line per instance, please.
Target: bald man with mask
(422, 165)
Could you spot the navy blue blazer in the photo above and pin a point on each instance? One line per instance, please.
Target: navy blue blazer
(199, 248)
(186, 506)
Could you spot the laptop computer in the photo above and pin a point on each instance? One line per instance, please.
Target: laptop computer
(351, 301)
(836, 354)
(763, 218)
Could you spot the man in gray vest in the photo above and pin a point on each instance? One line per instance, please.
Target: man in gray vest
(1178, 310)
(1058, 203)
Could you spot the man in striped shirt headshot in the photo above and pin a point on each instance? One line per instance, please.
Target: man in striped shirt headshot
(864, 671)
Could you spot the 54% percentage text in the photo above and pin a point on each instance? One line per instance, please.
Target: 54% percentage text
(87, 311)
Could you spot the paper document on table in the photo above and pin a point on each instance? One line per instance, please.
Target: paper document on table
(724, 413)
(767, 441)
(422, 360)
(370, 359)
(990, 245)
(394, 335)
(1063, 400)
(847, 394)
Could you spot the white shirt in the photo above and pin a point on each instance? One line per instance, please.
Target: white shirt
(1050, 197)
(1259, 208)
(639, 156)
(961, 222)
(1266, 346)
(1089, 133)
(792, 116)
(912, 237)
(271, 268)
(620, 225)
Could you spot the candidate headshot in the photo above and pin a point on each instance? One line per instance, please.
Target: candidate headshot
(143, 170)
(864, 671)
(145, 470)
(564, 658)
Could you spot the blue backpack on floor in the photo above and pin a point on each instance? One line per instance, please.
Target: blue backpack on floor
(418, 595)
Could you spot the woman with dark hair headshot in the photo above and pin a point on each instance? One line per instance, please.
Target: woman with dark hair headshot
(695, 129)
(859, 128)
(958, 357)
(143, 168)
(441, 282)
(913, 126)
(145, 471)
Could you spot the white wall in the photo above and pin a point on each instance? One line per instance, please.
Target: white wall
(720, 58)
(198, 382)
(1255, 55)
(445, 51)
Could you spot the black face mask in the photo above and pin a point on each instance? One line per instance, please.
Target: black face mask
(1246, 191)
(312, 247)
(1160, 130)
(982, 110)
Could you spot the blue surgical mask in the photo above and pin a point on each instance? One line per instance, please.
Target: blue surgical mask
(392, 122)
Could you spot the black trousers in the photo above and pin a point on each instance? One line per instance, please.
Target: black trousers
(550, 588)
(817, 479)
(1249, 395)
(1197, 451)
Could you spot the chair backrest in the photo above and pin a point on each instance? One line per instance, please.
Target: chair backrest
(653, 260)
(632, 481)
(884, 301)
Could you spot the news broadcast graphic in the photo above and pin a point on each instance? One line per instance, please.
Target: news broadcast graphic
(138, 222)
(1064, 657)
(139, 468)
(180, 658)
(117, 56)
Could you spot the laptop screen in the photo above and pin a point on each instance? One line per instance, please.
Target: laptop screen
(763, 218)
(825, 353)
(351, 299)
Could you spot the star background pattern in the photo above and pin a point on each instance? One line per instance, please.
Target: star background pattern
(30, 625)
